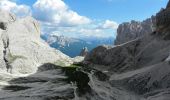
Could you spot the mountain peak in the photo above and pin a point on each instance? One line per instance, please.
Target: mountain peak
(131, 30)
(163, 22)
(84, 52)
(168, 5)
(21, 46)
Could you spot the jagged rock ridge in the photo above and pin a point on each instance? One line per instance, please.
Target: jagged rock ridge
(163, 19)
(72, 46)
(140, 66)
(131, 30)
(137, 70)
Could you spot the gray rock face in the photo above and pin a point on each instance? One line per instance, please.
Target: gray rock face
(131, 30)
(84, 52)
(136, 70)
(168, 5)
(21, 48)
(163, 22)
(140, 66)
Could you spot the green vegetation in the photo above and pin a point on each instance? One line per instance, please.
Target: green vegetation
(60, 63)
(74, 66)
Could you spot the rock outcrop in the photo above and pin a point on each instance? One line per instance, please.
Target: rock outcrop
(131, 30)
(140, 66)
(163, 22)
(135, 70)
(84, 52)
(21, 48)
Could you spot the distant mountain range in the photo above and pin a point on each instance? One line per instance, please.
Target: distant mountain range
(73, 46)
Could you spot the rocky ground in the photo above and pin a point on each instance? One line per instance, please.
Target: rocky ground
(53, 82)
(140, 66)
(30, 70)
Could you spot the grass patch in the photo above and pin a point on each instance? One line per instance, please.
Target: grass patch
(60, 63)
(74, 66)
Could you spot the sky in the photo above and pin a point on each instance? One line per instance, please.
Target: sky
(83, 18)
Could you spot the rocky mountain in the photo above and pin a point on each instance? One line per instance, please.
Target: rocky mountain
(62, 41)
(73, 46)
(21, 46)
(29, 67)
(141, 66)
(136, 70)
(84, 52)
(131, 30)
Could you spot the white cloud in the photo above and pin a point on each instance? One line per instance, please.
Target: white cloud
(19, 10)
(93, 32)
(94, 29)
(56, 17)
(58, 13)
(108, 24)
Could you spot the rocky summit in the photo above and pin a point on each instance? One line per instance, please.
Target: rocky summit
(22, 47)
(131, 30)
(84, 52)
(163, 22)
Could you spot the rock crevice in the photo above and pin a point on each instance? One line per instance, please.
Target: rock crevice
(6, 51)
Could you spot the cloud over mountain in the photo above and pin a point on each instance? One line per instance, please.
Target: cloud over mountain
(19, 10)
(57, 16)
(57, 12)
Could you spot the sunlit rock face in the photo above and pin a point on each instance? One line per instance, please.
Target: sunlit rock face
(132, 30)
(21, 48)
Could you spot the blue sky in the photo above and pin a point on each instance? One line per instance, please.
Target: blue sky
(78, 18)
(117, 10)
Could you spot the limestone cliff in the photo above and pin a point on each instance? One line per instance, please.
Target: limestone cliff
(21, 48)
(131, 30)
(163, 22)
(140, 66)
